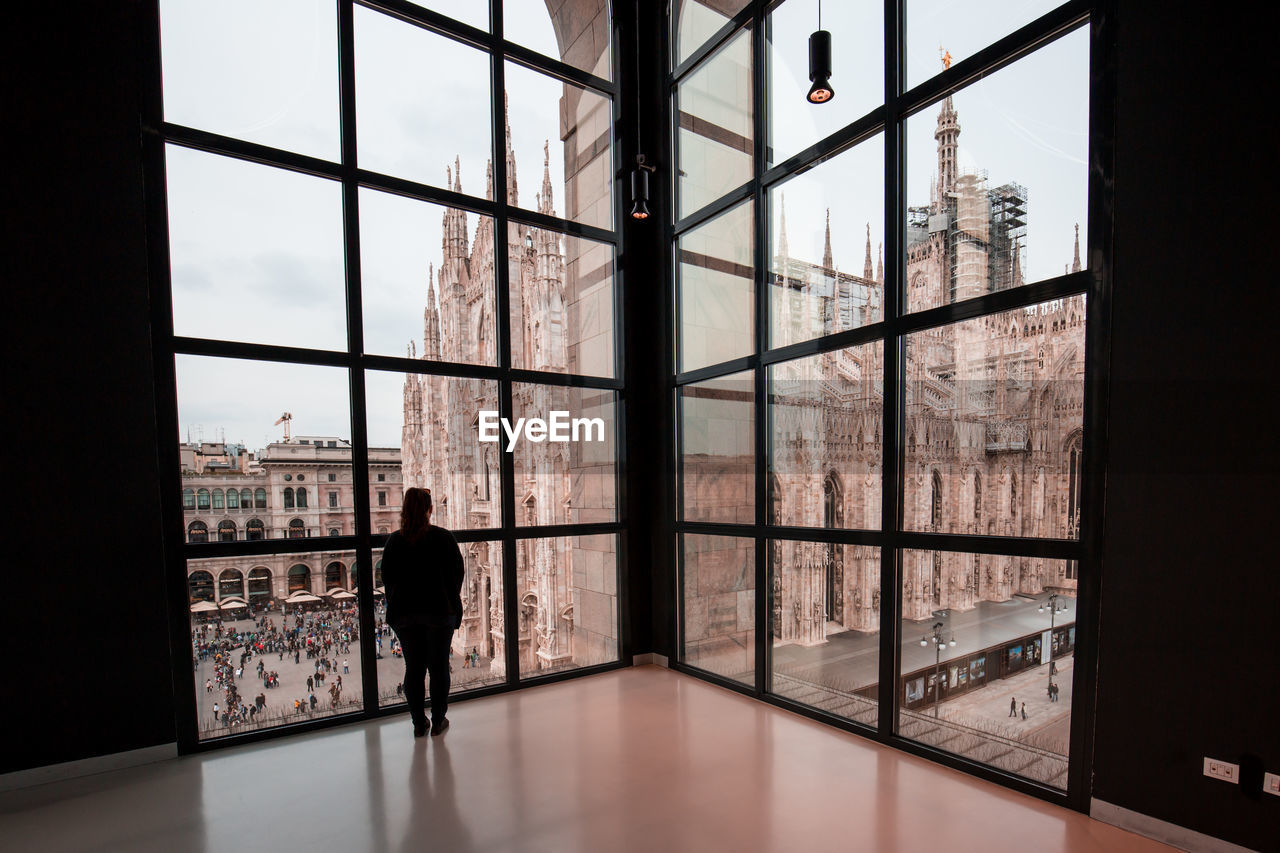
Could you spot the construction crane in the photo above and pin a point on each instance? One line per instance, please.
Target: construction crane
(285, 419)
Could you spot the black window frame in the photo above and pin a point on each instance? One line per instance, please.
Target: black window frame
(888, 120)
(167, 346)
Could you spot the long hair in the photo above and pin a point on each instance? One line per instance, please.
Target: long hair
(413, 513)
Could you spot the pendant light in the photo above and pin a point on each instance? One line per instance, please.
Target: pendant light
(640, 189)
(820, 64)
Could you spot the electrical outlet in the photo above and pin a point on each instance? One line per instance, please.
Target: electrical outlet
(1271, 784)
(1224, 770)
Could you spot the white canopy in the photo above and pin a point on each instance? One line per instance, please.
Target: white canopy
(340, 594)
(203, 607)
(301, 597)
(233, 603)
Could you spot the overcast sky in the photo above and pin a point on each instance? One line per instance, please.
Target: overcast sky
(257, 252)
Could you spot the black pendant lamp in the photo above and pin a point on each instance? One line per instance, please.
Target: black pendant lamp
(640, 189)
(820, 64)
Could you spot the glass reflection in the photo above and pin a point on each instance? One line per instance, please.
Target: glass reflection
(569, 481)
(568, 588)
(699, 20)
(817, 217)
(576, 181)
(716, 135)
(717, 443)
(825, 453)
(427, 426)
(718, 605)
(717, 289)
(562, 302)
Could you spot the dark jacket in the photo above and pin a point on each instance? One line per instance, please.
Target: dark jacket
(423, 579)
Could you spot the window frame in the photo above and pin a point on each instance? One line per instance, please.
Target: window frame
(166, 345)
(893, 538)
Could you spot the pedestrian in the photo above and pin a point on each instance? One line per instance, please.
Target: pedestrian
(346, 666)
(1013, 706)
(422, 573)
(310, 683)
(208, 686)
(1024, 710)
(215, 712)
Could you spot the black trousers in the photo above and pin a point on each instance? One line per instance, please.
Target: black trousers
(426, 649)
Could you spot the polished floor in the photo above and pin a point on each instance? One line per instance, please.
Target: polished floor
(641, 759)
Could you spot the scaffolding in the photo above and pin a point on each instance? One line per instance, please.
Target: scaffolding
(1008, 233)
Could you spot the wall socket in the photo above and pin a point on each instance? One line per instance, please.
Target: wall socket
(1271, 784)
(1224, 770)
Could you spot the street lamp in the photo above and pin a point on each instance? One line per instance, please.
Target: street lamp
(938, 642)
(1054, 610)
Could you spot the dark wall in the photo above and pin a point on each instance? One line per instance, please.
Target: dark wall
(1189, 587)
(87, 667)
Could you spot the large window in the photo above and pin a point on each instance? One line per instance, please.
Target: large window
(884, 343)
(389, 228)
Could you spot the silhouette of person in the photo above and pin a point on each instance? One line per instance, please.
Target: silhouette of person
(1013, 706)
(422, 573)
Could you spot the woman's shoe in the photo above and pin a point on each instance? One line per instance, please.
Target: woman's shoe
(419, 729)
(438, 726)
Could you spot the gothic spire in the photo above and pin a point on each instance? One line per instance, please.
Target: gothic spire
(546, 203)
(866, 264)
(488, 179)
(947, 134)
(826, 248)
(1075, 264)
(880, 265)
(1017, 265)
(513, 189)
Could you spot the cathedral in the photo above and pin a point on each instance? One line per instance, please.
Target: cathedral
(560, 313)
(992, 431)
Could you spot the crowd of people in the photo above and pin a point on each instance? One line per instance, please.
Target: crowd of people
(319, 636)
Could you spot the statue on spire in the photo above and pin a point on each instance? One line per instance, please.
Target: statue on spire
(866, 264)
(826, 248)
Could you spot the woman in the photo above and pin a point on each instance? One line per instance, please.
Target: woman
(422, 574)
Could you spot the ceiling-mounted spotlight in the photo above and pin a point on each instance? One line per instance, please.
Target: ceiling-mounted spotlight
(640, 188)
(820, 64)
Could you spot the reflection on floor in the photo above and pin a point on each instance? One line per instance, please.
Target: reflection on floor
(639, 759)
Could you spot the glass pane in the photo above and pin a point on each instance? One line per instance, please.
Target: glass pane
(717, 289)
(565, 454)
(256, 252)
(857, 72)
(568, 589)
(971, 229)
(427, 276)
(699, 20)
(576, 33)
(424, 433)
(994, 423)
(233, 434)
(476, 654)
(273, 641)
(987, 659)
(818, 219)
(716, 137)
(825, 428)
(718, 605)
(466, 11)
(825, 617)
(717, 442)
(262, 72)
(561, 302)
(414, 121)
(940, 31)
(576, 179)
